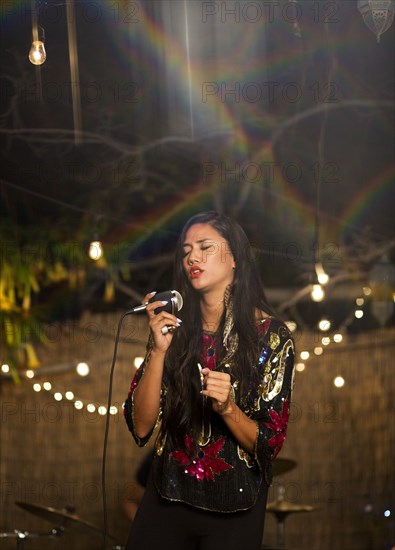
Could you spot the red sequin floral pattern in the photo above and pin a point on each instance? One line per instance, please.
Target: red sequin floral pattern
(209, 350)
(278, 425)
(206, 463)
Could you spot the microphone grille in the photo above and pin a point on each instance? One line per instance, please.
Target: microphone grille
(178, 301)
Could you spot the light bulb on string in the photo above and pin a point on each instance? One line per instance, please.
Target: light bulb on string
(95, 250)
(82, 369)
(324, 325)
(339, 381)
(317, 279)
(317, 293)
(322, 276)
(37, 53)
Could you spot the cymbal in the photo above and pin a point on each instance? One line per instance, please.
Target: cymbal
(284, 507)
(282, 465)
(61, 516)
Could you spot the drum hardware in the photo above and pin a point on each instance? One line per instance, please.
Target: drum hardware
(280, 508)
(64, 517)
(22, 536)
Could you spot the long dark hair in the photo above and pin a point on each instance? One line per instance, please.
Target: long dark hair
(183, 412)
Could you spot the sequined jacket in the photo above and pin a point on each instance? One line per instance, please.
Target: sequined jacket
(223, 476)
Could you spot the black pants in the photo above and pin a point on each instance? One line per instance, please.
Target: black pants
(165, 525)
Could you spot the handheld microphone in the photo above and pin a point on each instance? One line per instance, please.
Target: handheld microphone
(172, 297)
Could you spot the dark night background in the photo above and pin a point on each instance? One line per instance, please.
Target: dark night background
(288, 127)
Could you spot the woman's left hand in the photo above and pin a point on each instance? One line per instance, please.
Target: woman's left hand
(218, 388)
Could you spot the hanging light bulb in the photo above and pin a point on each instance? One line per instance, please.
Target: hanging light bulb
(95, 250)
(37, 54)
(322, 276)
(317, 293)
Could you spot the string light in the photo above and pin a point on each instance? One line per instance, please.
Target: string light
(322, 276)
(82, 369)
(37, 53)
(339, 382)
(5, 368)
(95, 250)
(324, 325)
(317, 293)
(78, 403)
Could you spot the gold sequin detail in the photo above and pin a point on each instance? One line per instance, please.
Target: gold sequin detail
(243, 455)
(274, 340)
(160, 445)
(274, 373)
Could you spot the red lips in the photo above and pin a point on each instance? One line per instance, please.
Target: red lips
(195, 272)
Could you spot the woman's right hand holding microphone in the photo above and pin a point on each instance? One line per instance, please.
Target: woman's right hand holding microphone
(162, 324)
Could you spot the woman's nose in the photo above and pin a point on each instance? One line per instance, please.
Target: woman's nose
(193, 258)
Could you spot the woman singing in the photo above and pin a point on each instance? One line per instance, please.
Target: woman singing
(219, 386)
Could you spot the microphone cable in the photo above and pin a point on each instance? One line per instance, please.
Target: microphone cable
(175, 303)
(106, 431)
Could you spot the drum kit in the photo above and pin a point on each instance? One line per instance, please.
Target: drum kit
(65, 518)
(281, 508)
(61, 518)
